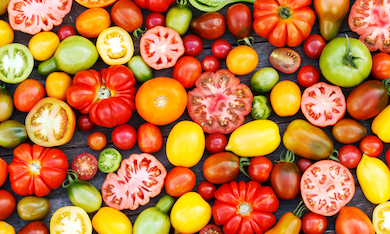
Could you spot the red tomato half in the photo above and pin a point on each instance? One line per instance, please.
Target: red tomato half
(179, 181)
(85, 165)
(211, 228)
(187, 70)
(27, 94)
(323, 105)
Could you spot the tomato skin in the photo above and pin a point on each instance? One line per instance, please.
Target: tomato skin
(303, 164)
(221, 168)
(6, 104)
(353, 220)
(348, 131)
(124, 136)
(3, 171)
(216, 142)
(210, 25)
(91, 22)
(155, 5)
(85, 165)
(380, 66)
(260, 168)
(179, 181)
(12, 133)
(57, 85)
(371, 146)
(308, 75)
(313, 46)
(43, 45)
(149, 138)
(154, 19)
(65, 31)
(193, 45)
(210, 64)
(285, 60)
(221, 48)
(32, 208)
(381, 125)
(6, 32)
(387, 156)
(93, 4)
(35, 227)
(349, 156)
(27, 94)
(84, 123)
(242, 60)
(285, 98)
(239, 20)
(313, 223)
(186, 71)
(109, 221)
(211, 228)
(97, 140)
(206, 190)
(7, 204)
(121, 11)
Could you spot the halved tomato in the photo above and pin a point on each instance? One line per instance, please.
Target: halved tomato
(70, 219)
(95, 3)
(85, 165)
(323, 105)
(381, 218)
(51, 122)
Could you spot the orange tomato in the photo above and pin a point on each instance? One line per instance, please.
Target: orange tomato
(242, 60)
(161, 100)
(286, 98)
(3, 171)
(57, 84)
(97, 140)
(92, 22)
(95, 3)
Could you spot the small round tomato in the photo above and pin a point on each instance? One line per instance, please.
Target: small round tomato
(313, 223)
(308, 75)
(149, 138)
(6, 33)
(6, 228)
(57, 84)
(7, 204)
(210, 63)
(27, 94)
(3, 171)
(154, 19)
(380, 66)
(124, 136)
(371, 146)
(97, 140)
(286, 98)
(242, 60)
(91, 22)
(84, 123)
(186, 71)
(216, 142)
(221, 48)
(349, 156)
(179, 181)
(206, 190)
(193, 45)
(260, 168)
(313, 46)
(43, 45)
(85, 165)
(109, 221)
(264, 80)
(35, 227)
(285, 60)
(121, 11)
(211, 228)
(66, 31)
(303, 164)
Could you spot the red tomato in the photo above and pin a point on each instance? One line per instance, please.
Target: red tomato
(303, 164)
(35, 227)
(154, 19)
(27, 94)
(179, 181)
(216, 142)
(161, 47)
(3, 171)
(66, 31)
(206, 190)
(349, 156)
(85, 165)
(221, 48)
(124, 136)
(211, 229)
(326, 187)
(380, 66)
(121, 11)
(371, 146)
(221, 168)
(187, 70)
(193, 45)
(313, 46)
(308, 75)
(387, 156)
(84, 123)
(149, 138)
(285, 60)
(353, 220)
(155, 5)
(239, 20)
(323, 105)
(210, 25)
(313, 223)
(204, 104)
(7, 204)
(97, 140)
(260, 168)
(210, 64)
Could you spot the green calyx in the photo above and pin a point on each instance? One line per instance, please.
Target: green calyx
(71, 178)
(249, 41)
(214, 5)
(244, 162)
(284, 12)
(386, 82)
(182, 2)
(348, 59)
(299, 210)
(288, 158)
(333, 156)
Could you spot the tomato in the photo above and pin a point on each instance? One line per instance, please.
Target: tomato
(7, 204)
(6, 228)
(42, 15)
(97, 140)
(210, 64)
(3, 7)
(326, 187)
(303, 164)
(6, 33)
(65, 31)
(84, 123)
(215, 143)
(261, 107)
(149, 138)
(51, 122)
(349, 156)
(91, 22)
(57, 85)
(210, 25)
(193, 45)
(16, 63)
(308, 75)
(155, 5)
(190, 213)
(121, 11)
(239, 21)
(260, 169)
(381, 125)
(95, 3)
(43, 45)
(179, 181)
(353, 220)
(289, 223)
(3, 171)
(35, 227)
(85, 165)
(28, 93)
(32, 208)
(348, 131)
(6, 103)
(313, 223)
(110, 221)
(109, 160)
(242, 60)
(141, 71)
(371, 145)
(161, 100)
(221, 48)
(323, 105)
(187, 70)
(179, 17)
(211, 228)
(387, 156)
(12, 133)
(285, 60)
(124, 136)
(380, 66)
(285, 98)
(141, 171)
(380, 218)
(76, 219)
(161, 47)
(221, 168)
(264, 80)
(154, 19)
(206, 190)
(214, 94)
(313, 46)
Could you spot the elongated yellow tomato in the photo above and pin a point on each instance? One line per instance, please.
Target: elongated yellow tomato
(190, 213)
(185, 144)
(374, 178)
(381, 125)
(256, 138)
(6, 228)
(70, 219)
(381, 218)
(111, 221)
(43, 45)
(286, 98)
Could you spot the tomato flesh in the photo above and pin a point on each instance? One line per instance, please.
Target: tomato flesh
(85, 165)
(285, 60)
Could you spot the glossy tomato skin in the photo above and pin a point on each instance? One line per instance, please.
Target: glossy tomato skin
(308, 75)
(387, 156)
(380, 66)
(303, 164)
(97, 140)
(85, 165)
(155, 5)
(109, 221)
(216, 142)
(221, 48)
(221, 168)
(149, 138)
(57, 84)
(239, 20)
(348, 131)
(353, 220)
(65, 31)
(313, 223)
(242, 60)
(285, 98)
(7, 204)
(371, 146)
(179, 181)
(206, 190)
(32, 208)
(187, 70)
(210, 64)
(260, 168)
(349, 156)
(35, 227)
(91, 22)
(121, 11)
(313, 46)
(210, 25)
(211, 228)
(84, 123)
(193, 45)
(3, 171)
(285, 60)
(124, 136)
(27, 94)
(154, 19)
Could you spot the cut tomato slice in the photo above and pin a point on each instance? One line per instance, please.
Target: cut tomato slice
(95, 3)
(381, 218)
(16, 63)
(70, 220)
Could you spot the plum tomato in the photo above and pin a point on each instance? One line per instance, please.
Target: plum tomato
(285, 60)
(7, 204)
(308, 75)
(303, 164)
(285, 98)
(380, 66)
(221, 168)
(260, 168)
(348, 131)
(193, 45)
(206, 190)
(66, 31)
(109, 160)
(121, 11)
(186, 71)
(27, 94)
(154, 19)
(97, 140)
(91, 22)
(209, 25)
(149, 138)
(124, 136)
(31, 208)
(85, 165)
(210, 63)
(239, 21)
(349, 156)
(313, 223)
(211, 228)
(179, 181)
(313, 46)
(84, 123)
(43, 45)
(371, 146)
(57, 85)
(216, 142)
(221, 48)
(242, 60)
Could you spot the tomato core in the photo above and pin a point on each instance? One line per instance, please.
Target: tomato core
(284, 12)
(160, 101)
(35, 167)
(244, 209)
(103, 93)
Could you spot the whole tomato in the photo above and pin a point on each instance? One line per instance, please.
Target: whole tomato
(121, 11)
(313, 46)
(210, 25)
(91, 22)
(149, 138)
(353, 220)
(286, 98)
(242, 60)
(193, 45)
(57, 84)
(349, 156)
(97, 140)
(206, 190)
(371, 146)
(187, 70)
(303, 164)
(65, 31)
(216, 142)
(313, 223)
(221, 167)
(35, 227)
(210, 63)
(124, 136)
(27, 94)
(109, 221)
(3, 171)
(43, 45)
(7, 204)
(32, 208)
(387, 156)
(84, 123)
(179, 181)
(380, 66)
(154, 19)
(239, 21)
(260, 168)
(221, 48)
(308, 75)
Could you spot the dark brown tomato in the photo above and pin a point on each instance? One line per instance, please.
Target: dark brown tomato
(239, 20)
(348, 131)
(210, 25)
(221, 168)
(35, 227)
(303, 164)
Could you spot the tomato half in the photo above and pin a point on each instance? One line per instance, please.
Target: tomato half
(91, 22)
(380, 218)
(95, 3)
(76, 219)
(120, 13)
(179, 181)
(285, 60)
(85, 165)
(211, 228)
(28, 93)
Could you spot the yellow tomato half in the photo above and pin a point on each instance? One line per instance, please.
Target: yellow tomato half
(381, 218)
(6, 33)
(70, 219)
(286, 98)
(43, 45)
(57, 84)
(6, 228)
(242, 60)
(111, 221)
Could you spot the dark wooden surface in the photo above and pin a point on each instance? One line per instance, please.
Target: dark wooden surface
(59, 198)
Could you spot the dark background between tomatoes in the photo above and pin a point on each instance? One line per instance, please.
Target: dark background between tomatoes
(59, 198)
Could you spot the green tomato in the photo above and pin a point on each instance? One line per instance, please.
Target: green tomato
(264, 80)
(3, 6)
(6, 104)
(179, 18)
(12, 133)
(16, 63)
(32, 208)
(109, 160)
(345, 62)
(142, 72)
(261, 107)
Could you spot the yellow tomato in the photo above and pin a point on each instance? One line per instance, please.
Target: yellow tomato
(6, 228)
(43, 45)
(381, 125)
(256, 138)
(381, 218)
(6, 33)
(286, 98)
(70, 219)
(57, 84)
(242, 60)
(190, 213)
(91, 22)
(185, 144)
(111, 221)
(374, 179)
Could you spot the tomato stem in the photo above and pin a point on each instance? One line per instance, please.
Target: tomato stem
(386, 82)
(182, 2)
(138, 33)
(333, 156)
(348, 59)
(299, 209)
(249, 41)
(70, 173)
(244, 162)
(289, 157)
(284, 12)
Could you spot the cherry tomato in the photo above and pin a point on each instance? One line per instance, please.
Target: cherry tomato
(260, 168)
(7, 204)
(206, 190)
(179, 181)
(313, 46)
(349, 156)
(215, 143)
(57, 85)
(381, 66)
(210, 63)
(35, 227)
(27, 94)
(154, 19)
(285, 60)
(149, 138)
(124, 136)
(193, 45)
(313, 223)
(97, 140)
(211, 228)
(85, 165)
(371, 146)
(84, 123)
(308, 75)
(209, 25)
(303, 164)
(221, 48)
(187, 70)
(66, 31)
